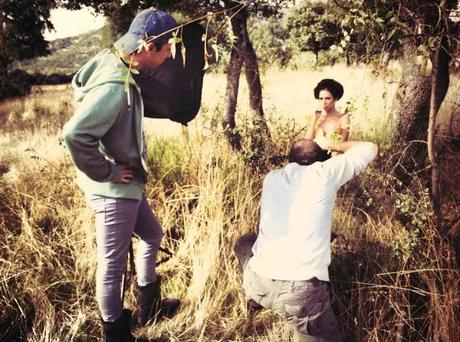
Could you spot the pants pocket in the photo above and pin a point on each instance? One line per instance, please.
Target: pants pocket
(302, 316)
(310, 313)
(255, 288)
(324, 325)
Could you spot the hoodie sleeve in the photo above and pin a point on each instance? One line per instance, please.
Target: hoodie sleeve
(95, 115)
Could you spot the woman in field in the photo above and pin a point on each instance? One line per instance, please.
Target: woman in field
(328, 122)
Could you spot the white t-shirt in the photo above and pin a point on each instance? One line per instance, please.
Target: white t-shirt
(296, 214)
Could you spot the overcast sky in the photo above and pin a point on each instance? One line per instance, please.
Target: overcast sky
(70, 23)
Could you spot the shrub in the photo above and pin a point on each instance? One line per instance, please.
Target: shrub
(270, 41)
(14, 83)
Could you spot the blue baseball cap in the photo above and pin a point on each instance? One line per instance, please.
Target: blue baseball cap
(147, 24)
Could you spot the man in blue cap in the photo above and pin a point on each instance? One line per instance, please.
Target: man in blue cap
(107, 145)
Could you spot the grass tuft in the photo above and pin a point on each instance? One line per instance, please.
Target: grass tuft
(394, 277)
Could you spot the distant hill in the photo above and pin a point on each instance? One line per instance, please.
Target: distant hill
(67, 54)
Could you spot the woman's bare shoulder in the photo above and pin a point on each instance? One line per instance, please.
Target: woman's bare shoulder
(344, 117)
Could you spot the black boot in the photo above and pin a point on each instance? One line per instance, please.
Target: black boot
(150, 305)
(120, 330)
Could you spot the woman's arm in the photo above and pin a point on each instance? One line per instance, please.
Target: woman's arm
(317, 120)
(345, 128)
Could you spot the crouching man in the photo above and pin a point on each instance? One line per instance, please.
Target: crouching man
(285, 267)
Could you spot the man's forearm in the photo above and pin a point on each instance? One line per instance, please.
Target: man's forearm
(347, 145)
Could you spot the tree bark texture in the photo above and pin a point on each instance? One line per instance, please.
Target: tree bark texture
(411, 104)
(412, 101)
(243, 53)
(412, 98)
(231, 99)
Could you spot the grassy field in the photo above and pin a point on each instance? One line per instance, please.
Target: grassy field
(394, 277)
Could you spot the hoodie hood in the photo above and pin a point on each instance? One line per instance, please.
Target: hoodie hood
(105, 67)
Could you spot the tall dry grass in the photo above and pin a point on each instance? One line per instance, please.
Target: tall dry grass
(393, 276)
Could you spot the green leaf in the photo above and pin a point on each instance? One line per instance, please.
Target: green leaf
(423, 48)
(216, 51)
(391, 34)
(183, 51)
(173, 51)
(142, 44)
(175, 39)
(427, 68)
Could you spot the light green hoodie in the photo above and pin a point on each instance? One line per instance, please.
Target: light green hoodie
(106, 129)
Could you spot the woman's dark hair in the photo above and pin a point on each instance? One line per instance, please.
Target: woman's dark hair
(334, 87)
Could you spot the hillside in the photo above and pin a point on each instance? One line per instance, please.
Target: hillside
(67, 54)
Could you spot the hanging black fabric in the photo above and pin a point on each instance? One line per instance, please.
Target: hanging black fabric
(173, 91)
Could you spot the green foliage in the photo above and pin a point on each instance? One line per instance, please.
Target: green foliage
(423, 58)
(22, 25)
(167, 159)
(403, 244)
(369, 29)
(120, 17)
(414, 209)
(270, 41)
(372, 29)
(415, 212)
(13, 84)
(312, 27)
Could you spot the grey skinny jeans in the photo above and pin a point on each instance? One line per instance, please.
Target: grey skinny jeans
(305, 304)
(117, 219)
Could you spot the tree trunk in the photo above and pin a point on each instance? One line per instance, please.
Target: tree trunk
(412, 99)
(412, 103)
(261, 135)
(243, 52)
(231, 99)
